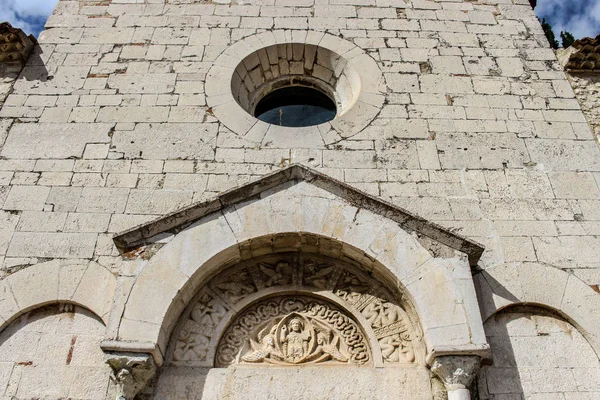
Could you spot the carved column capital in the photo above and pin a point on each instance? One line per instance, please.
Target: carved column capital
(457, 373)
(132, 372)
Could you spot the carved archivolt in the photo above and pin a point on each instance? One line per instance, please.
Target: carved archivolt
(291, 309)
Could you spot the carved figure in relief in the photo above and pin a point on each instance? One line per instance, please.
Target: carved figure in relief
(281, 274)
(238, 286)
(353, 284)
(265, 349)
(397, 348)
(302, 331)
(191, 344)
(381, 314)
(296, 328)
(208, 312)
(195, 334)
(317, 275)
(295, 340)
(326, 346)
(352, 288)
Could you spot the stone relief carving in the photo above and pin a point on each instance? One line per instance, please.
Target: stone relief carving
(279, 274)
(293, 329)
(236, 285)
(320, 275)
(194, 336)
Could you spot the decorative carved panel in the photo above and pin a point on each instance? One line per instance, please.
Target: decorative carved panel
(194, 336)
(294, 309)
(292, 330)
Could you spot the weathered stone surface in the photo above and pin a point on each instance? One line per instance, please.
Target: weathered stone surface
(336, 384)
(160, 141)
(53, 140)
(567, 155)
(519, 338)
(455, 110)
(54, 245)
(55, 352)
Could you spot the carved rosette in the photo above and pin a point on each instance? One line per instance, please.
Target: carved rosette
(240, 317)
(194, 336)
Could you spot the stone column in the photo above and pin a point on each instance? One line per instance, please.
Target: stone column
(132, 372)
(457, 373)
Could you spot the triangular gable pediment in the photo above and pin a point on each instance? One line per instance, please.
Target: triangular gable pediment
(180, 219)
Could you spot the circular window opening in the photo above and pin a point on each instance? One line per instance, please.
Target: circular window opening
(295, 106)
(295, 85)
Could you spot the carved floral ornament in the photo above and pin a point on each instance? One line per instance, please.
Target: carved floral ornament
(294, 309)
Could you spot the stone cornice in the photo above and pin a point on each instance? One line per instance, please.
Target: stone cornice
(178, 220)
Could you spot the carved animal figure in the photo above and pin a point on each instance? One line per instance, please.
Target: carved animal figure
(279, 275)
(238, 287)
(318, 277)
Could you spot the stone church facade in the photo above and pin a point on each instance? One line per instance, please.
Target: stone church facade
(437, 238)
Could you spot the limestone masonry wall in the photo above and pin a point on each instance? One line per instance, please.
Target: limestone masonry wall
(111, 124)
(587, 92)
(480, 130)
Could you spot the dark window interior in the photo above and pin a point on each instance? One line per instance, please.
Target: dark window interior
(295, 106)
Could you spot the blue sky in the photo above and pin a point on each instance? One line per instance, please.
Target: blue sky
(580, 17)
(29, 15)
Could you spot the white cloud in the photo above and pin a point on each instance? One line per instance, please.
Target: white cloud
(26, 14)
(580, 17)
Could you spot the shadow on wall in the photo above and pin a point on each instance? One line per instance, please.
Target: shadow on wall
(18, 50)
(54, 352)
(36, 70)
(503, 355)
(535, 352)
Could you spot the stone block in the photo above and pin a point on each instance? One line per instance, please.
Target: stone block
(96, 289)
(8, 223)
(53, 140)
(157, 201)
(518, 249)
(574, 185)
(26, 198)
(568, 251)
(52, 245)
(146, 83)
(133, 114)
(65, 80)
(86, 222)
(63, 198)
(338, 384)
(102, 200)
(195, 182)
(107, 35)
(566, 155)
(33, 221)
(161, 141)
(482, 150)
(403, 82)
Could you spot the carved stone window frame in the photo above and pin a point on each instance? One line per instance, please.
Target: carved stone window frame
(357, 85)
